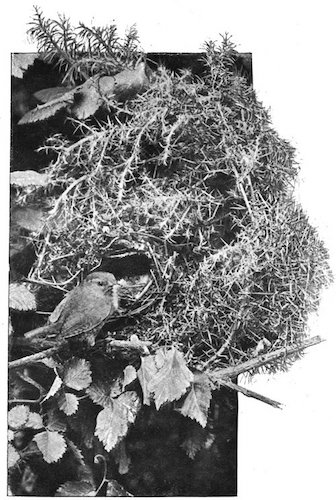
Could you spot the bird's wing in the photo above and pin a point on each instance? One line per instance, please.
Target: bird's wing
(87, 310)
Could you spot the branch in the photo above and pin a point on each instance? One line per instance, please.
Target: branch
(264, 359)
(33, 358)
(250, 394)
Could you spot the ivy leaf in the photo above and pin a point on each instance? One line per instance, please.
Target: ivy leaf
(172, 379)
(130, 374)
(34, 421)
(18, 416)
(68, 403)
(77, 374)
(51, 444)
(114, 489)
(26, 178)
(99, 393)
(13, 456)
(113, 421)
(146, 373)
(55, 387)
(197, 402)
(76, 489)
(20, 298)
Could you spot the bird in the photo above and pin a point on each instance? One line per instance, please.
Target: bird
(84, 310)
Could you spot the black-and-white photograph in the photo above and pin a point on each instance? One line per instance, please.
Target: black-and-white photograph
(171, 248)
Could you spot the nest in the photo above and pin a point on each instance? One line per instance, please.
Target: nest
(192, 174)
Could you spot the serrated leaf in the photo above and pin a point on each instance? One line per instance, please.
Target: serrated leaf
(146, 372)
(10, 435)
(68, 403)
(76, 489)
(26, 178)
(99, 393)
(18, 416)
(116, 387)
(114, 489)
(172, 379)
(130, 374)
(197, 402)
(51, 444)
(34, 421)
(113, 422)
(55, 421)
(13, 456)
(21, 61)
(77, 374)
(83, 471)
(20, 298)
(55, 387)
(44, 111)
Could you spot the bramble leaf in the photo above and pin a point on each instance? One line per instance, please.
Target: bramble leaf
(21, 61)
(13, 456)
(146, 373)
(196, 403)
(114, 489)
(130, 374)
(55, 421)
(34, 420)
(10, 435)
(76, 489)
(20, 298)
(77, 374)
(99, 393)
(172, 378)
(55, 387)
(113, 422)
(68, 403)
(18, 416)
(51, 444)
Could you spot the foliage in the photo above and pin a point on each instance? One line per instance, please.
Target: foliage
(192, 175)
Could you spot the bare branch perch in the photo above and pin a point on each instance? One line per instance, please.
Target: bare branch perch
(33, 358)
(251, 394)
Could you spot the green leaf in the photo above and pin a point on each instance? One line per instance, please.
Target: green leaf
(77, 374)
(21, 61)
(114, 489)
(113, 422)
(26, 178)
(51, 444)
(99, 393)
(13, 456)
(20, 298)
(172, 378)
(196, 403)
(18, 416)
(146, 373)
(130, 374)
(68, 403)
(55, 387)
(34, 421)
(76, 489)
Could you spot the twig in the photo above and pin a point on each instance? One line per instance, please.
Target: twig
(234, 371)
(65, 193)
(33, 358)
(250, 394)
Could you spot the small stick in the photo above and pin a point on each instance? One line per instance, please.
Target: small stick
(250, 394)
(33, 358)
